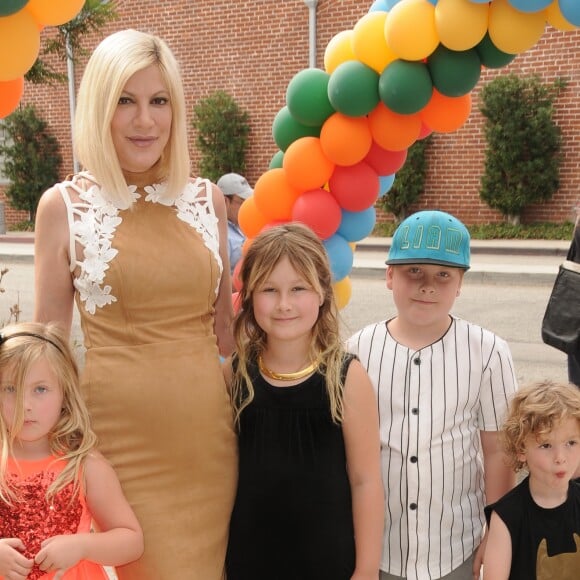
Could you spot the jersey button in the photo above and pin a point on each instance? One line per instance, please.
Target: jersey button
(413, 459)
(417, 360)
(415, 411)
(413, 506)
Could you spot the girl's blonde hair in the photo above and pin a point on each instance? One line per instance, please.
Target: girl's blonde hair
(115, 60)
(71, 439)
(308, 257)
(536, 410)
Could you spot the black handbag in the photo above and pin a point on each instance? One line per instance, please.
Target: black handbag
(561, 323)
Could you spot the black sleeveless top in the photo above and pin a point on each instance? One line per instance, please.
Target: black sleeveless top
(292, 519)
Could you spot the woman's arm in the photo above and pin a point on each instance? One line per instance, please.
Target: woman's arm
(224, 313)
(362, 443)
(53, 287)
(118, 538)
(497, 559)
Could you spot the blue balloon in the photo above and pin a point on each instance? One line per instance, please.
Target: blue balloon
(570, 10)
(391, 3)
(385, 183)
(480, 1)
(530, 5)
(357, 225)
(379, 6)
(340, 256)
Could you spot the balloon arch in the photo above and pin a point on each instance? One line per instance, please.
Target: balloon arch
(406, 69)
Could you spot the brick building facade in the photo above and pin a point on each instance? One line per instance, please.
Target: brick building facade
(252, 48)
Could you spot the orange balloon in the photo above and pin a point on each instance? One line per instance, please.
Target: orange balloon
(54, 12)
(346, 140)
(446, 114)
(10, 94)
(246, 245)
(19, 44)
(306, 165)
(274, 194)
(393, 131)
(250, 218)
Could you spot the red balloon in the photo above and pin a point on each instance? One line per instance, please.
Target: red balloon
(10, 94)
(385, 162)
(236, 281)
(355, 188)
(319, 210)
(236, 301)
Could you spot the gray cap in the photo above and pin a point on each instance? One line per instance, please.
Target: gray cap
(235, 184)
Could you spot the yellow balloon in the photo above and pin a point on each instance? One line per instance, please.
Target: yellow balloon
(460, 24)
(342, 292)
(513, 31)
(410, 29)
(338, 50)
(54, 12)
(555, 17)
(19, 44)
(369, 43)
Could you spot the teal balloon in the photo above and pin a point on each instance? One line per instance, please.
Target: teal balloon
(276, 161)
(286, 129)
(454, 73)
(353, 89)
(8, 7)
(405, 87)
(307, 97)
(490, 55)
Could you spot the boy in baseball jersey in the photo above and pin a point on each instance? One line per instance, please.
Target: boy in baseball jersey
(443, 387)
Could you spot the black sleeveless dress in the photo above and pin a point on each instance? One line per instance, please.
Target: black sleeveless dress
(292, 518)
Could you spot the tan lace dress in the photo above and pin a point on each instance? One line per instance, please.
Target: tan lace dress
(146, 280)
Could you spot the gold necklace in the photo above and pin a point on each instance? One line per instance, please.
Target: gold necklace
(286, 376)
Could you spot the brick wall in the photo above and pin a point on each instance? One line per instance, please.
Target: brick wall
(252, 48)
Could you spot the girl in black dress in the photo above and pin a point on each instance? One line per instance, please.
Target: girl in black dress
(309, 502)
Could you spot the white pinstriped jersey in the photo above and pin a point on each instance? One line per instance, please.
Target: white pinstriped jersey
(432, 404)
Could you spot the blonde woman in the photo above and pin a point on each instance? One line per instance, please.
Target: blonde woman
(142, 249)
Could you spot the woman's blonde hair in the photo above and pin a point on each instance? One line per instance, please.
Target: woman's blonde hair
(308, 257)
(535, 410)
(115, 60)
(71, 439)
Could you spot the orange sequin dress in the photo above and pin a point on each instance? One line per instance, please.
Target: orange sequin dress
(35, 519)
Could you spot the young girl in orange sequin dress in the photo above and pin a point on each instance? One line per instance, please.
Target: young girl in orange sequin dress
(54, 486)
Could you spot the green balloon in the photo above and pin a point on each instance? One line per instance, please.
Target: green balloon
(276, 161)
(454, 73)
(286, 129)
(353, 89)
(490, 55)
(307, 97)
(405, 87)
(8, 7)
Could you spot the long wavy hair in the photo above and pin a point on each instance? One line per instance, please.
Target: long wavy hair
(72, 438)
(308, 257)
(535, 410)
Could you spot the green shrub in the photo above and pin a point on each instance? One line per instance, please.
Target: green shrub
(31, 159)
(222, 135)
(523, 144)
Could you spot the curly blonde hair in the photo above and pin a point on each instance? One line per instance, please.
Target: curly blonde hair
(536, 410)
(72, 438)
(308, 257)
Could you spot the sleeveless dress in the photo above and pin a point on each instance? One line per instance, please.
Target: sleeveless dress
(35, 519)
(146, 281)
(292, 518)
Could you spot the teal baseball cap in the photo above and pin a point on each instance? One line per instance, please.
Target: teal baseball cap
(431, 237)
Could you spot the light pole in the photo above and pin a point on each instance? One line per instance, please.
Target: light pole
(312, 31)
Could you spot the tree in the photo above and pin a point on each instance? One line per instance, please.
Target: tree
(67, 43)
(409, 181)
(31, 159)
(522, 156)
(222, 135)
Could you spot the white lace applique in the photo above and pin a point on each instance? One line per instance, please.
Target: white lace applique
(94, 228)
(196, 210)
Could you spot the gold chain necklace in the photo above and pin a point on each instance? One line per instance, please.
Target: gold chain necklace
(286, 376)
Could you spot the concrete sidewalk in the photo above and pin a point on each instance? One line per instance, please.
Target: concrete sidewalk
(494, 261)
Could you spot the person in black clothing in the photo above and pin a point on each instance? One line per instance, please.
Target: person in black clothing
(534, 530)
